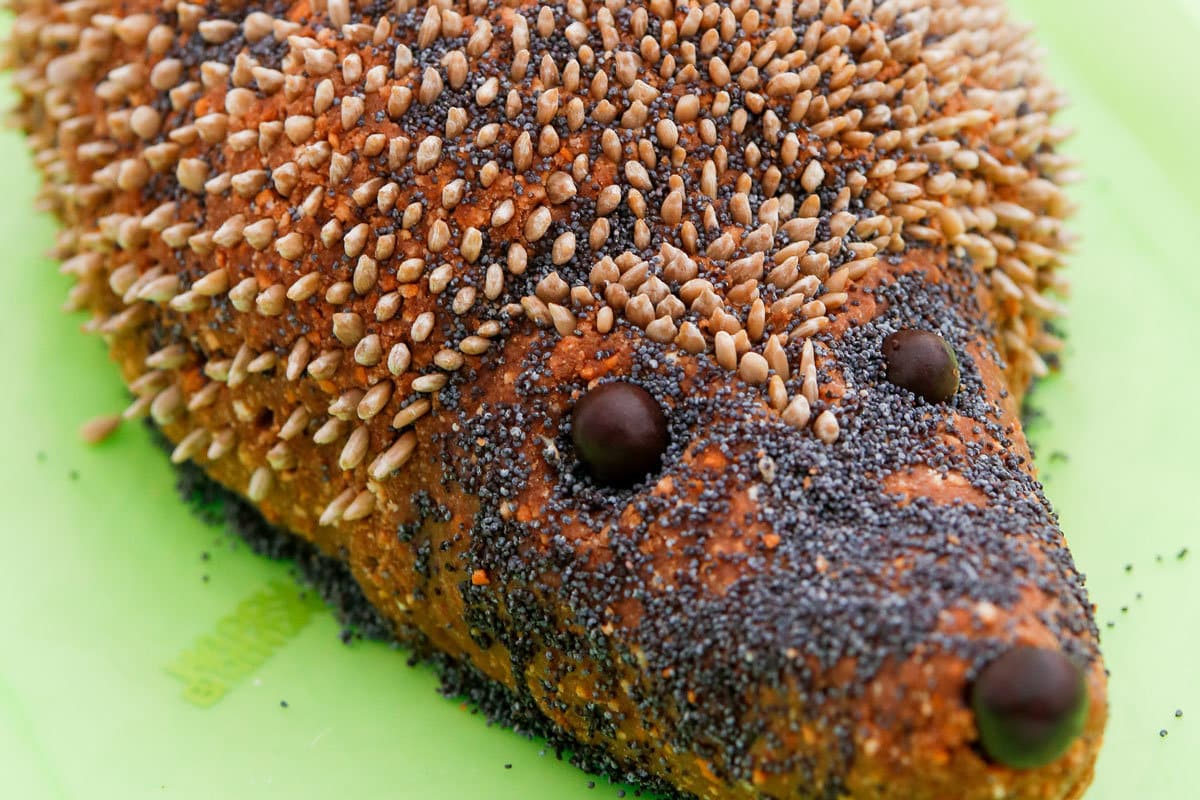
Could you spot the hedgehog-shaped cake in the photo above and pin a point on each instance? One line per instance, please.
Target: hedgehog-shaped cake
(655, 363)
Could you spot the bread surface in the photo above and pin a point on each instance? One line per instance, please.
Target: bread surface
(360, 262)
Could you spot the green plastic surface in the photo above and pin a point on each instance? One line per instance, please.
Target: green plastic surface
(101, 576)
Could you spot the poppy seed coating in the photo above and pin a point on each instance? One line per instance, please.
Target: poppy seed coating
(360, 262)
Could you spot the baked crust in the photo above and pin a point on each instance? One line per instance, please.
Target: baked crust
(795, 605)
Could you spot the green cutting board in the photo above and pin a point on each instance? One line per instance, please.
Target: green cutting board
(103, 584)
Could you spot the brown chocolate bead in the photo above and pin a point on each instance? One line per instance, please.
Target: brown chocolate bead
(619, 432)
(922, 362)
(1029, 704)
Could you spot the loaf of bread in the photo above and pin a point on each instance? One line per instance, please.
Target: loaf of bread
(658, 364)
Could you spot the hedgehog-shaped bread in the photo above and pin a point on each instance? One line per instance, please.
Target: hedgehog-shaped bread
(658, 364)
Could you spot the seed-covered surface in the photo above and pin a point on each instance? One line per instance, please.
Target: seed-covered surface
(360, 262)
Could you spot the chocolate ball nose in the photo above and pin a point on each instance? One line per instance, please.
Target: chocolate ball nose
(922, 362)
(1029, 704)
(619, 433)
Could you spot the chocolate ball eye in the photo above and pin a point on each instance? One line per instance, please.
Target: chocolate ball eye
(1029, 704)
(922, 362)
(619, 432)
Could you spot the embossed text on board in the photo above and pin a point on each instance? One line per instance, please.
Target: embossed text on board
(242, 641)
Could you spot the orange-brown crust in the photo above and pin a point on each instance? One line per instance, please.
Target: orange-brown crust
(915, 742)
(912, 735)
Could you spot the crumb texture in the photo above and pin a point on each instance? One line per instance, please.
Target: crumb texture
(359, 262)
